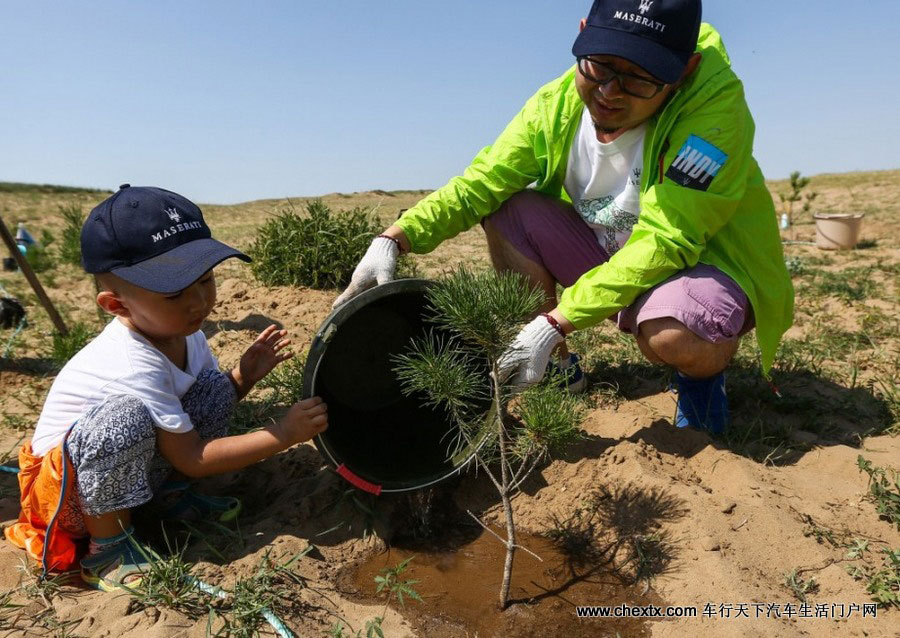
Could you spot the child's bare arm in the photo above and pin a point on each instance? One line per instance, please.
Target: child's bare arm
(196, 457)
(260, 358)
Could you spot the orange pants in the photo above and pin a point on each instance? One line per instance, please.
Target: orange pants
(50, 523)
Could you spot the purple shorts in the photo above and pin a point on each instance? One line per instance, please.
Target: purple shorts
(550, 232)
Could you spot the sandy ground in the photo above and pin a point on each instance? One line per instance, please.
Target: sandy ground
(726, 528)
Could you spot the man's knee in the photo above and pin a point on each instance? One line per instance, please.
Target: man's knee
(669, 341)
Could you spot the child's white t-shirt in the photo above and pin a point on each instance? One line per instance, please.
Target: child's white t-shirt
(603, 181)
(119, 361)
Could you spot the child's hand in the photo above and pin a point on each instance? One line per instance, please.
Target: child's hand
(263, 355)
(304, 420)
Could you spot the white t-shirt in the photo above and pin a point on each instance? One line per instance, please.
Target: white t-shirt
(604, 181)
(119, 361)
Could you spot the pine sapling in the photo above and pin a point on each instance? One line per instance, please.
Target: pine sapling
(476, 316)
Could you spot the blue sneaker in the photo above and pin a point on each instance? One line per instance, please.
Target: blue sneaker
(571, 377)
(702, 403)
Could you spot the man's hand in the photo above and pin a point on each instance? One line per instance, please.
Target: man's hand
(260, 358)
(525, 361)
(376, 267)
(304, 420)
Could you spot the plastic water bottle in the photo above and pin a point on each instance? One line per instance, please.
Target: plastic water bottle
(24, 238)
(785, 222)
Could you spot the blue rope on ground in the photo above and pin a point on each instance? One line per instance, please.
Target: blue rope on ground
(22, 323)
(274, 621)
(9, 468)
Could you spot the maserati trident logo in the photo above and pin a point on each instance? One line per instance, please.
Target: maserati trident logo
(645, 6)
(173, 214)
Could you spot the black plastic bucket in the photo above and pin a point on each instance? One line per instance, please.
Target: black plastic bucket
(377, 438)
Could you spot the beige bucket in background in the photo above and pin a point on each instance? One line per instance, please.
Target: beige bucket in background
(838, 231)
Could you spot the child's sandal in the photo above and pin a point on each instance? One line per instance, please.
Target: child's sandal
(122, 566)
(188, 505)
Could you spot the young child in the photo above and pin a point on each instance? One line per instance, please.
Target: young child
(144, 402)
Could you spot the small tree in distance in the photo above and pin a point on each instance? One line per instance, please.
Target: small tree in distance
(797, 184)
(476, 317)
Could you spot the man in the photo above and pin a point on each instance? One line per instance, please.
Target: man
(629, 180)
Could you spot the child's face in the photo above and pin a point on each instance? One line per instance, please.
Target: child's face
(160, 317)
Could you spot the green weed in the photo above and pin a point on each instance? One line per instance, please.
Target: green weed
(796, 265)
(352, 507)
(800, 356)
(800, 587)
(882, 581)
(849, 285)
(887, 391)
(821, 534)
(251, 414)
(884, 490)
(286, 381)
(9, 611)
(169, 582)
(857, 549)
(257, 599)
(389, 583)
(64, 347)
(43, 591)
(15, 422)
(878, 324)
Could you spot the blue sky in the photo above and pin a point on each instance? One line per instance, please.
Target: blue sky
(232, 101)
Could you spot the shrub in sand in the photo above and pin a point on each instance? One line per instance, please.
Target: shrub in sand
(317, 250)
(70, 244)
(64, 347)
(477, 316)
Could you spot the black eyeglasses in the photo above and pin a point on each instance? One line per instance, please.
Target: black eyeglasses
(631, 84)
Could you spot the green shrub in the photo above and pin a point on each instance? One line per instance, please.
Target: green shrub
(65, 347)
(70, 245)
(318, 250)
(18, 187)
(38, 255)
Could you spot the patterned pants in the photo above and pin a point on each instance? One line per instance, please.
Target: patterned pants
(113, 446)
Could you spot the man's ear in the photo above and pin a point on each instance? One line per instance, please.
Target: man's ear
(582, 25)
(693, 63)
(111, 303)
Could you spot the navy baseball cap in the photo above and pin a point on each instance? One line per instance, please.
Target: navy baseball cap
(657, 35)
(152, 238)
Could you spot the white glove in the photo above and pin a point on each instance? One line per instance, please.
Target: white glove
(376, 267)
(526, 359)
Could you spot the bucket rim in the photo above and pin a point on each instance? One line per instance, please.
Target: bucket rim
(318, 347)
(838, 216)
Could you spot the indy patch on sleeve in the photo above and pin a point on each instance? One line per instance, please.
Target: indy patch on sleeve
(696, 164)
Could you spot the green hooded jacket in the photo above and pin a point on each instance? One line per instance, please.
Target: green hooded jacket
(703, 197)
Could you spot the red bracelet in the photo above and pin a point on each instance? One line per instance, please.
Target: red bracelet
(554, 323)
(395, 240)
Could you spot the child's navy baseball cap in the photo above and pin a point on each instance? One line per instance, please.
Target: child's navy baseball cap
(658, 35)
(152, 238)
